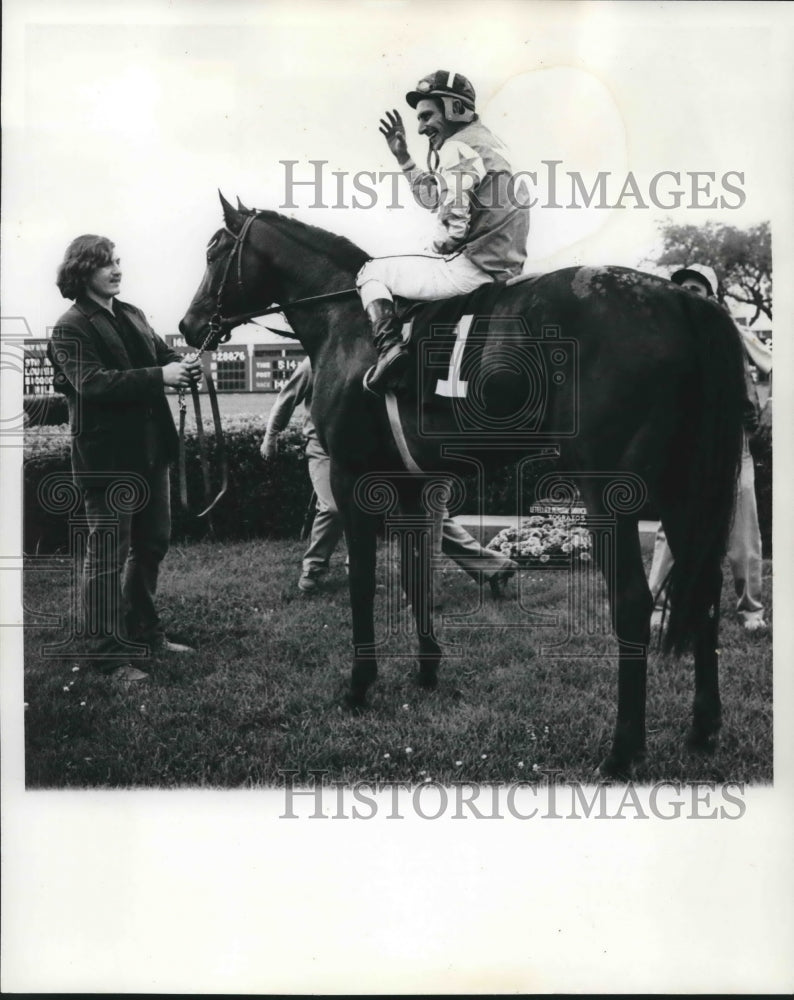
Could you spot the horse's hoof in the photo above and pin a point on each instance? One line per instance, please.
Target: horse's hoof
(698, 741)
(614, 770)
(356, 700)
(619, 767)
(427, 677)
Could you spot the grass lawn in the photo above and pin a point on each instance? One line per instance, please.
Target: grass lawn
(264, 691)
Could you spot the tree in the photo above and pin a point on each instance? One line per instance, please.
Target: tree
(742, 259)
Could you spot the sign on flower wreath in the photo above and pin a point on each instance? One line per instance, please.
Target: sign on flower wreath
(552, 535)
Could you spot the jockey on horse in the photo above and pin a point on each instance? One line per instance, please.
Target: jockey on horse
(483, 217)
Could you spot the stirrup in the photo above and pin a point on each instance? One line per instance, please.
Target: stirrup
(365, 382)
(394, 371)
(378, 393)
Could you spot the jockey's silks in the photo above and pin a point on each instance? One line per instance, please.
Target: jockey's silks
(483, 210)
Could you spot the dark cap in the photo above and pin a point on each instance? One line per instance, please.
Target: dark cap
(701, 272)
(442, 83)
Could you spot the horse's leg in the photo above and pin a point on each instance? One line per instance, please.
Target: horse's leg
(416, 567)
(707, 711)
(361, 537)
(631, 604)
(415, 572)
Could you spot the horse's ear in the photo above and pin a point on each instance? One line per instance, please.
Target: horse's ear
(241, 207)
(230, 213)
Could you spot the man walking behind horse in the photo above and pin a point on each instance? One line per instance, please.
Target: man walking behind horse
(327, 526)
(113, 369)
(327, 529)
(483, 216)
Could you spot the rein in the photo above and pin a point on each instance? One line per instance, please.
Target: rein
(221, 326)
(221, 445)
(232, 321)
(220, 330)
(214, 337)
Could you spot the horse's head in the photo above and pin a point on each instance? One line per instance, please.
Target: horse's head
(232, 288)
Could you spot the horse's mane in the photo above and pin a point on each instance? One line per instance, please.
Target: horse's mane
(344, 253)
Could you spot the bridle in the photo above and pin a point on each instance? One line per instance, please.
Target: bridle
(219, 332)
(220, 326)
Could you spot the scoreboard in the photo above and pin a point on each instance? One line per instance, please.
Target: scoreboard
(273, 366)
(38, 369)
(240, 367)
(247, 367)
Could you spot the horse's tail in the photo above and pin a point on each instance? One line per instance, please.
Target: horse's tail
(709, 484)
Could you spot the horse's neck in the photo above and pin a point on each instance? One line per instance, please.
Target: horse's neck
(313, 277)
(338, 321)
(306, 271)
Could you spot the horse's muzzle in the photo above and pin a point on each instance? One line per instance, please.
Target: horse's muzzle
(194, 331)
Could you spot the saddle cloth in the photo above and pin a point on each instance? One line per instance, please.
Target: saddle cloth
(481, 368)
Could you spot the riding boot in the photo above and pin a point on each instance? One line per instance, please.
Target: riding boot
(393, 358)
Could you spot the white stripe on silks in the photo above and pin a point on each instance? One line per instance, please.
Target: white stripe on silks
(393, 412)
(450, 76)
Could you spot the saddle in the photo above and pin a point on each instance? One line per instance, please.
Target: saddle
(448, 338)
(482, 370)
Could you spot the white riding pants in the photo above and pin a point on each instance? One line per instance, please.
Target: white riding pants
(424, 277)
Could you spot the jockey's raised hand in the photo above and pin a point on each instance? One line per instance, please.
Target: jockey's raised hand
(482, 217)
(393, 130)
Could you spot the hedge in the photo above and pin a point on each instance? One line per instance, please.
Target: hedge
(45, 411)
(263, 498)
(270, 499)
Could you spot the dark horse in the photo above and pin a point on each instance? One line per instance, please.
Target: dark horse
(656, 399)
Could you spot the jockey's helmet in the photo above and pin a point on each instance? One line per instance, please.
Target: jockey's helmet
(454, 91)
(701, 272)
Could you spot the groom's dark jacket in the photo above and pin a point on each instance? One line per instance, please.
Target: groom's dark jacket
(110, 370)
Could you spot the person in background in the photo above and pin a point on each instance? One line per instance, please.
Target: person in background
(480, 563)
(744, 543)
(113, 369)
(327, 528)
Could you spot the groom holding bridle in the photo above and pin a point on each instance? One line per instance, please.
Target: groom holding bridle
(483, 215)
